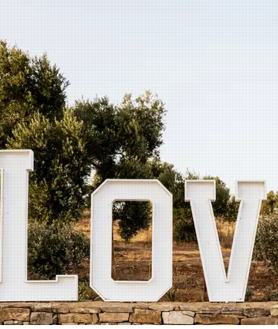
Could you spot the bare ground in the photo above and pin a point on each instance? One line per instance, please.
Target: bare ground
(132, 261)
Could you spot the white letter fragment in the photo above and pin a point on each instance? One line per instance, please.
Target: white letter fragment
(15, 166)
(222, 287)
(101, 240)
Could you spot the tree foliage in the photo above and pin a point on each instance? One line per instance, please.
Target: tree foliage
(58, 184)
(27, 85)
(224, 206)
(267, 241)
(121, 141)
(270, 203)
(223, 200)
(122, 138)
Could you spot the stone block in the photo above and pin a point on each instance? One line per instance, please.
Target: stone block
(42, 318)
(232, 310)
(165, 307)
(19, 314)
(75, 318)
(259, 321)
(84, 309)
(177, 317)
(274, 310)
(210, 310)
(145, 316)
(255, 312)
(190, 313)
(216, 319)
(113, 317)
(41, 307)
(61, 308)
(117, 309)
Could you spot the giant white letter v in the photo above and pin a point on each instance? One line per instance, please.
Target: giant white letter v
(222, 287)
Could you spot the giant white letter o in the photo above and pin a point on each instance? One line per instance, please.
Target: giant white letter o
(101, 240)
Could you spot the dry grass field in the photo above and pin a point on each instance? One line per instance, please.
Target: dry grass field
(132, 261)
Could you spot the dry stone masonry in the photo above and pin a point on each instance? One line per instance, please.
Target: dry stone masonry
(100, 313)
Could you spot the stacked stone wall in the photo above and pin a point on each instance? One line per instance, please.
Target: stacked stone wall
(88, 313)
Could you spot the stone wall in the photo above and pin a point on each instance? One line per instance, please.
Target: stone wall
(138, 313)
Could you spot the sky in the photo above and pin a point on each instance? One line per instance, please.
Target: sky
(213, 63)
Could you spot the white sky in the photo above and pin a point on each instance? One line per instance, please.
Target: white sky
(214, 64)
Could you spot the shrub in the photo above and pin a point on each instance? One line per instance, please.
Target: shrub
(267, 240)
(184, 230)
(232, 210)
(55, 249)
(249, 293)
(85, 292)
(172, 294)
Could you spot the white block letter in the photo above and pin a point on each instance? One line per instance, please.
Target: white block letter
(101, 240)
(222, 287)
(15, 165)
